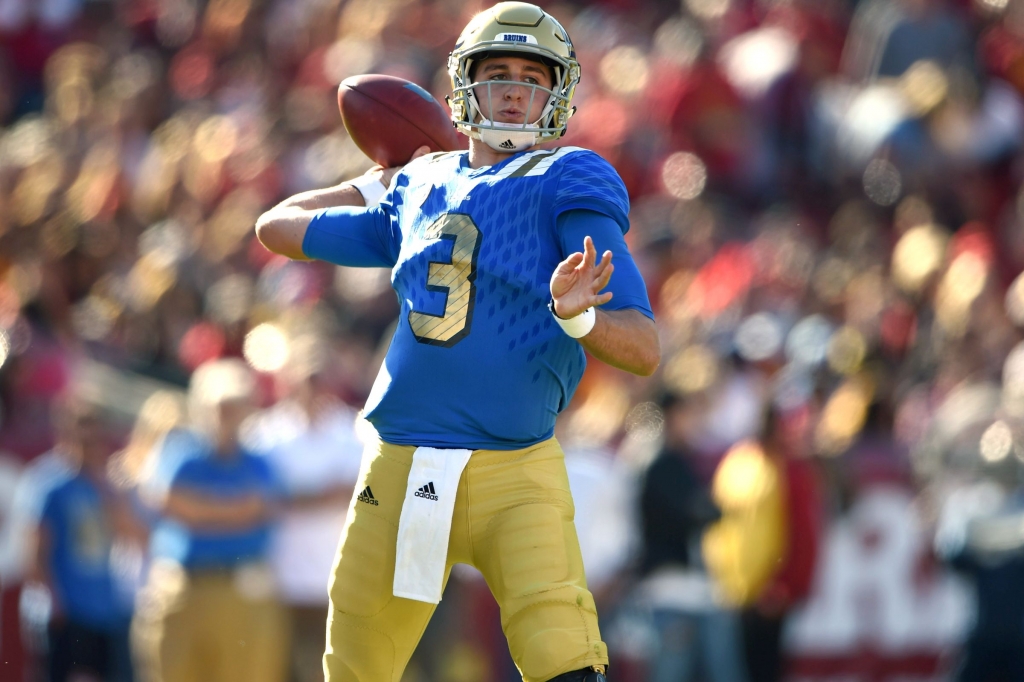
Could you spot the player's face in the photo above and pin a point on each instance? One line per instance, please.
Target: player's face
(508, 101)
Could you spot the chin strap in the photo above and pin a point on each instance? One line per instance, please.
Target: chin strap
(506, 137)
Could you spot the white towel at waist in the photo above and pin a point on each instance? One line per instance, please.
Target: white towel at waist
(426, 522)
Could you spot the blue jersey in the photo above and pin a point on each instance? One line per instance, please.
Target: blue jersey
(71, 509)
(477, 360)
(189, 463)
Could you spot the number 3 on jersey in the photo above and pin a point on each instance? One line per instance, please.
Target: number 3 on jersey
(457, 278)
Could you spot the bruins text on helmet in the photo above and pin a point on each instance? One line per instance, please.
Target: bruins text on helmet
(523, 30)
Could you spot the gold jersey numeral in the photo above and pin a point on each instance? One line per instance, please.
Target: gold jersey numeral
(457, 278)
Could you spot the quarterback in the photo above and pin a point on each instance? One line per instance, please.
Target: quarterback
(494, 258)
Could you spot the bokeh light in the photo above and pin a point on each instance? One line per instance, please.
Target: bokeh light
(684, 175)
(26, 142)
(924, 86)
(843, 416)
(1015, 301)
(962, 284)
(624, 70)
(229, 299)
(756, 59)
(693, 369)
(808, 340)
(645, 422)
(746, 474)
(5, 347)
(266, 348)
(149, 279)
(1013, 381)
(191, 74)
(708, 9)
(216, 139)
(831, 279)
(846, 351)
(759, 337)
(679, 41)
(167, 242)
(93, 318)
(918, 255)
(992, 6)
(996, 442)
(882, 182)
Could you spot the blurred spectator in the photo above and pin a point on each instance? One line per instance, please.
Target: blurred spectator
(71, 604)
(131, 470)
(209, 610)
(309, 438)
(887, 38)
(764, 549)
(698, 636)
(133, 465)
(981, 534)
(786, 441)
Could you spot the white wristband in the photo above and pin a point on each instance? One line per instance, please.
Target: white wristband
(576, 327)
(370, 187)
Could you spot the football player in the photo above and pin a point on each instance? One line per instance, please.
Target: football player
(494, 257)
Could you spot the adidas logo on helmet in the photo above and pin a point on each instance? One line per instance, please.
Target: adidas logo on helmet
(507, 144)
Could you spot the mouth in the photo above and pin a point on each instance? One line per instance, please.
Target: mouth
(512, 115)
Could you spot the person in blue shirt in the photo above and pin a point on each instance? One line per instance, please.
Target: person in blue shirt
(72, 595)
(494, 258)
(209, 610)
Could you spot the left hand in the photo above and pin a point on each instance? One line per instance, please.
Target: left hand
(577, 281)
(386, 174)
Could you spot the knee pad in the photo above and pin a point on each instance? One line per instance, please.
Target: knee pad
(582, 675)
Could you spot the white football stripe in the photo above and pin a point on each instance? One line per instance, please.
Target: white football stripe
(517, 164)
(542, 167)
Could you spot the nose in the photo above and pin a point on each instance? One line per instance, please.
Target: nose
(514, 91)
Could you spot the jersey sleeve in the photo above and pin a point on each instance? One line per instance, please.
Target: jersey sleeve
(627, 285)
(589, 182)
(353, 236)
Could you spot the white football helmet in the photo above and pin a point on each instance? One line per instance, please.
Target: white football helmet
(520, 29)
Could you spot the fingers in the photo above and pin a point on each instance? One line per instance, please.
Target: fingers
(570, 263)
(601, 280)
(422, 151)
(606, 261)
(589, 251)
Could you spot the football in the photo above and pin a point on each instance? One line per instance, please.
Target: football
(389, 118)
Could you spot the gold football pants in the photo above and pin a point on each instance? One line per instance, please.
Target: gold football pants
(513, 521)
(209, 627)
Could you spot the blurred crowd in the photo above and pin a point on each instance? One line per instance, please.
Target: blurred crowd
(823, 479)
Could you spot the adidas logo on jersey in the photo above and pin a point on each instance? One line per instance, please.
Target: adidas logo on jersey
(507, 144)
(427, 492)
(367, 497)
